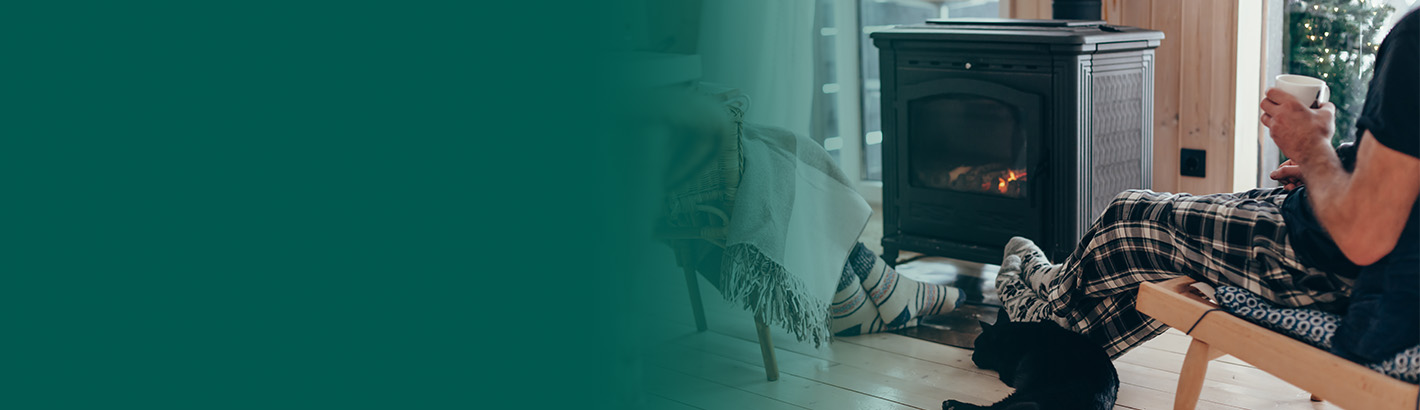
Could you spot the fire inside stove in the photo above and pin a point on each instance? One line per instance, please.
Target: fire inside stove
(987, 179)
(967, 143)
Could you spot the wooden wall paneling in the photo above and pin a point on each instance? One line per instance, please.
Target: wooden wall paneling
(1167, 16)
(1113, 11)
(1223, 101)
(1043, 9)
(1136, 13)
(1196, 80)
(1030, 9)
(1206, 61)
(1207, 90)
(1194, 58)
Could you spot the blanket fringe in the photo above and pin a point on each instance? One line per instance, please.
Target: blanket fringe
(767, 289)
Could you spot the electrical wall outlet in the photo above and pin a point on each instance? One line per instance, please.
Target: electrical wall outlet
(1193, 163)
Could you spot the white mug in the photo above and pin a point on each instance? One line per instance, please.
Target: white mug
(1310, 91)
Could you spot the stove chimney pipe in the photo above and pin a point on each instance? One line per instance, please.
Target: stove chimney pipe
(1076, 9)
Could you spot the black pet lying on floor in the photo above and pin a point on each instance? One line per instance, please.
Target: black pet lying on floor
(1050, 368)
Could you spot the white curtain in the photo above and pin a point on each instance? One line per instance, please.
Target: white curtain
(765, 48)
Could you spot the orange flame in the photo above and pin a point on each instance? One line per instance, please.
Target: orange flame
(1011, 175)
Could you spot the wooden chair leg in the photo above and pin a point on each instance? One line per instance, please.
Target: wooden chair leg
(693, 284)
(1190, 378)
(766, 348)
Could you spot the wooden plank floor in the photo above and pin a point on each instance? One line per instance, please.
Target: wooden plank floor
(722, 369)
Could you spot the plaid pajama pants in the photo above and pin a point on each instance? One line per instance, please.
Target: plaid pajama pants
(1237, 239)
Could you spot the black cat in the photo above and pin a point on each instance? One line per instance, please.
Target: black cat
(1051, 368)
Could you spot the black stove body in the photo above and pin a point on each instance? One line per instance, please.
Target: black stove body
(994, 128)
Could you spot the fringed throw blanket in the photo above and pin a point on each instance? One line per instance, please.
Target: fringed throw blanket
(795, 221)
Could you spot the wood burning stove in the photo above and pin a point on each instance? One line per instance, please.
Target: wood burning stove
(994, 128)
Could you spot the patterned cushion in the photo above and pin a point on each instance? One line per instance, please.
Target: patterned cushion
(1313, 327)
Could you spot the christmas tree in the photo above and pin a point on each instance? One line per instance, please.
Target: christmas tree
(1336, 41)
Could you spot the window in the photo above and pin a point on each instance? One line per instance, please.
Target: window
(847, 110)
(1336, 41)
(877, 15)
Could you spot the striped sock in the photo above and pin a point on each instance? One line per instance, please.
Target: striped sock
(853, 314)
(898, 300)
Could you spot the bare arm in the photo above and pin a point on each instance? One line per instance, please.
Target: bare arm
(1365, 211)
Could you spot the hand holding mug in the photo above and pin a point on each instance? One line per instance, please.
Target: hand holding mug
(1312, 92)
(1300, 132)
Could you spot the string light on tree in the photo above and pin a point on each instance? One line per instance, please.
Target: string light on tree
(1312, 50)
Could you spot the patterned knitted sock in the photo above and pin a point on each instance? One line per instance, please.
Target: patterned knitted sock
(873, 297)
(1035, 269)
(851, 311)
(900, 300)
(1018, 300)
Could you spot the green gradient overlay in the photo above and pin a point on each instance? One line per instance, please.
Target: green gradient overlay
(316, 205)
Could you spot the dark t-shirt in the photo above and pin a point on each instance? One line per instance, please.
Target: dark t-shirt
(1391, 112)
(1383, 317)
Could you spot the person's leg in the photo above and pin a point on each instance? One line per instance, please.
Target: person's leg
(873, 297)
(852, 312)
(1274, 195)
(1018, 301)
(1232, 239)
(1237, 239)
